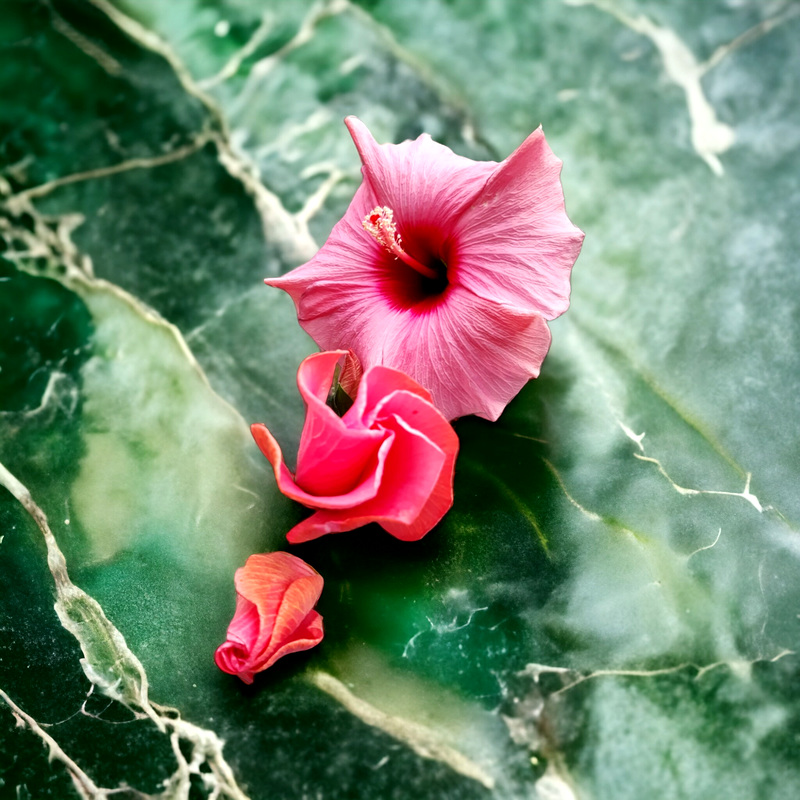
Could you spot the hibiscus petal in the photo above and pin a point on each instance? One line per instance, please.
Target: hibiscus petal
(474, 368)
(411, 499)
(475, 338)
(233, 656)
(425, 183)
(295, 627)
(246, 623)
(515, 242)
(338, 466)
(308, 635)
(427, 421)
(291, 621)
(378, 383)
(369, 474)
(349, 258)
(332, 458)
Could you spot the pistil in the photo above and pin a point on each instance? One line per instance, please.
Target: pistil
(379, 223)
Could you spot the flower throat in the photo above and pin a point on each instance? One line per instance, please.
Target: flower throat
(379, 223)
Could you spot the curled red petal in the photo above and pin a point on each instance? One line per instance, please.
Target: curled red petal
(392, 455)
(417, 486)
(368, 474)
(338, 465)
(376, 386)
(333, 459)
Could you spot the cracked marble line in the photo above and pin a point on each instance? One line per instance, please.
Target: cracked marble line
(51, 395)
(56, 245)
(284, 228)
(710, 137)
(220, 311)
(706, 547)
(629, 363)
(592, 515)
(422, 740)
(441, 628)
(744, 39)
(329, 8)
(317, 198)
(585, 511)
(83, 784)
(738, 667)
(745, 494)
(16, 202)
(85, 45)
(553, 785)
(516, 501)
(110, 665)
(317, 13)
(427, 74)
(621, 360)
(232, 66)
(290, 133)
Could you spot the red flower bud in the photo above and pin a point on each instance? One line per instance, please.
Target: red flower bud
(275, 597)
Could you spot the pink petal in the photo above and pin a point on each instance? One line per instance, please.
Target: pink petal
(290, 624)
(428, 422)
(368, 474)
(474, 368)
(350, 258)
(266, 578)
(378, 383)
(425, 183)
(332, 457)
(338, 466)
(246, 623)
(509, 248)
(515, 242)
(308, 634)
(416, 490)
(470, 369)
(233, 656)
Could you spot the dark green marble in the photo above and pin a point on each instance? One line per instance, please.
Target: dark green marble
(607, 611)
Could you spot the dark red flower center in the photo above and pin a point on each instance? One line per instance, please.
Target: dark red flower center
(426, 277)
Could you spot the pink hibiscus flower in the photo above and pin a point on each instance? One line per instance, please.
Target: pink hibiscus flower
(389, 459)
(275, 597)
(444, 268)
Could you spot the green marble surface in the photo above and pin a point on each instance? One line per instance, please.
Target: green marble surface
(610, 610)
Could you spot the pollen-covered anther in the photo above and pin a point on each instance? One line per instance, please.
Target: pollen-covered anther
(379, 223)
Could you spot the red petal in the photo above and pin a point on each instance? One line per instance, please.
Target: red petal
(333, 459)
(417, 486)
(368, 473)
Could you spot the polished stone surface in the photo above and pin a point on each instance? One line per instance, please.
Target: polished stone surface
(609, 611)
